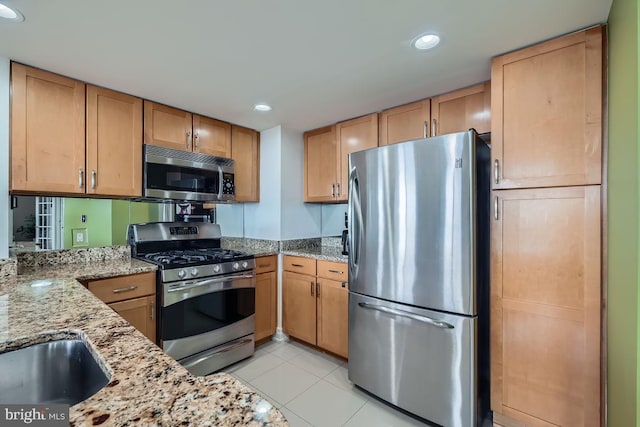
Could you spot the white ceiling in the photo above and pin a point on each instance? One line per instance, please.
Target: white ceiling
(315, 62)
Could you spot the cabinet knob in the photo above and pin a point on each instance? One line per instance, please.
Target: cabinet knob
(496, 171)
(94, 176)
(80, 178)
(188, 139)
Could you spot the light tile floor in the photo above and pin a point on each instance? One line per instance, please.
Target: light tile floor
(312, 389)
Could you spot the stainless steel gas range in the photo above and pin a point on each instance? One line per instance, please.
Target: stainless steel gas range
(206, 295)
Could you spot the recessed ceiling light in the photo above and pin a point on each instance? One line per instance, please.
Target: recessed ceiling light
(425, 41)
(10, 13)
(262, 107)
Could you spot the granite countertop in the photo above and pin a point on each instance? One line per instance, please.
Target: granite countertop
(146, 386)
(327, 253)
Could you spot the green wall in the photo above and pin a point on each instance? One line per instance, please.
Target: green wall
(98, 223)
(623, 357)
(107, 220)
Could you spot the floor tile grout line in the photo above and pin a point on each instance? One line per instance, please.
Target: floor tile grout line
(300, 416)
(302, 392)
(355, 413)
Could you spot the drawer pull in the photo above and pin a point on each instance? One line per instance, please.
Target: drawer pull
(297, 265)
(336, 271)
(311, 288)
(127, 289)
(263, 265)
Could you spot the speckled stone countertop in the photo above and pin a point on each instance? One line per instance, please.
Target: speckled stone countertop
(328, 253)
(146, 386)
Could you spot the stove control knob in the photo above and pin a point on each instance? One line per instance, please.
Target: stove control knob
(236, 266)
(216, 269)
(194, 272)
(182, 274)
(245, 264)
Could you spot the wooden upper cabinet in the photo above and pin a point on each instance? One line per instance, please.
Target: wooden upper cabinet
(333, 316)
(462, 110)
(546, 104)
(545, 306)
(405, 123)
(211, 136)
(245, 150)
(47, 132)
(320, 165)
(167, 127)
(353, 135)
(114, 143)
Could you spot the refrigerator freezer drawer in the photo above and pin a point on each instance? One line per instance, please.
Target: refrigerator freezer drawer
(420, 360)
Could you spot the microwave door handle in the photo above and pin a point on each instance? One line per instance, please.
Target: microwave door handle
(220, 182)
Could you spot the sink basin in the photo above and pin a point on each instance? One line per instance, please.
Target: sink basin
(62, 371)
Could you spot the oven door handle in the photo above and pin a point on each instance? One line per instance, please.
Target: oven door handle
(202, 287)
(208, 282)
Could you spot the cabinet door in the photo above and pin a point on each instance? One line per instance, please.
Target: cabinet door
(245, 150)
(545, 306)
(353, 135)
(140, 313)
(462, 110)
(114, 143)
(320, 166)
(405, 123)
(546, 125)
(333, 316)
(47, 132)
(211, 136)
(167, 127)
(299, 306)
(266, 294)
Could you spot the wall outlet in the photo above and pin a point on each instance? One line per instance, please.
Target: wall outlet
(79, 237)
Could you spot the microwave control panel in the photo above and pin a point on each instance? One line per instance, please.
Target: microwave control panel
(228, 185)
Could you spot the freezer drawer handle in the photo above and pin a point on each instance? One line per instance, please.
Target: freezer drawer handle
(406, 314)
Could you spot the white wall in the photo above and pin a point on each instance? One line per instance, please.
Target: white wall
(231, 219)
(262, 220)
(299, 220)
(333, 219)
(5, 212)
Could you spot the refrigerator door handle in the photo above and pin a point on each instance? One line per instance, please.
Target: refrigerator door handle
(355, 218)
(407, 314)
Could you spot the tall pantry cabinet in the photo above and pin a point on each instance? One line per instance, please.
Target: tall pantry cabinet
(546, 293)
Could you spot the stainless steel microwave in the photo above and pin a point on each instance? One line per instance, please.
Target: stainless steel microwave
(183, 175)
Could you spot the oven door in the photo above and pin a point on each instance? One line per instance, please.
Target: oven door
(182, 175)
(197, 315)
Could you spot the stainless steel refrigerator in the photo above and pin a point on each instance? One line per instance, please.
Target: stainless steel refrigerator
(419, 276)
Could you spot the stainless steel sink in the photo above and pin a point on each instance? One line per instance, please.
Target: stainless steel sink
(62, 371)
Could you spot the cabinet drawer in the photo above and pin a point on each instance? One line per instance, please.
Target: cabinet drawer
(124, 287)
(300, 265)
(265, 264)
(333, 270)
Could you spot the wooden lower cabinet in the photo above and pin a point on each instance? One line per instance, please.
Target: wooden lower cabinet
(133, 297)
(140, 312)
(266, 297)
(333, 316)
(316, 309)
(299, 306)
(546, 306)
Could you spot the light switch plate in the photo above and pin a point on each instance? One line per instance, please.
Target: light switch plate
(79, 237)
